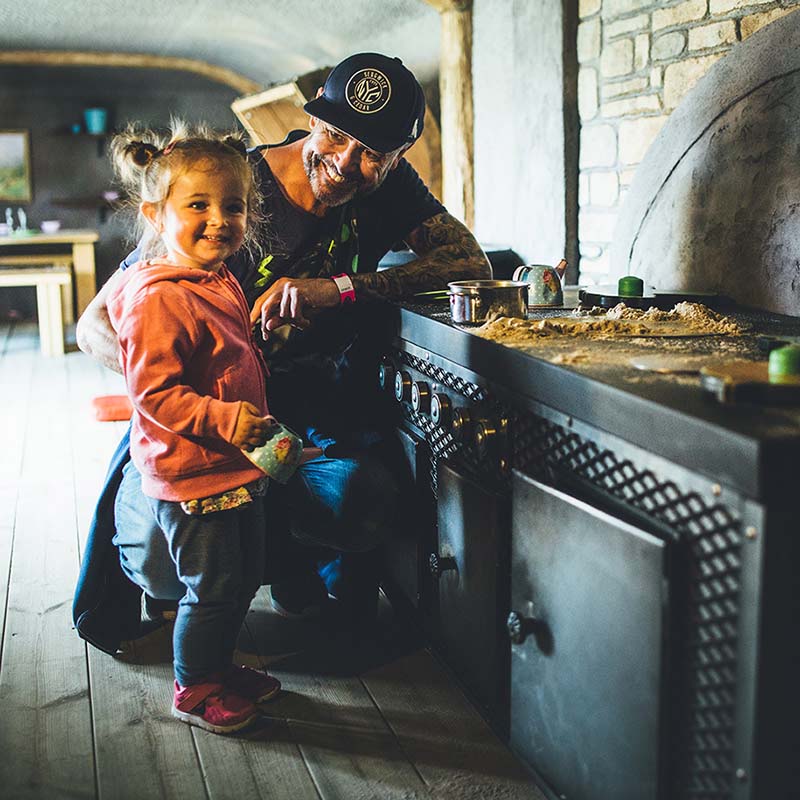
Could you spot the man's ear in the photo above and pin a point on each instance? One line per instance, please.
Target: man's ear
(312, 121)
(399, 154)
(151, 213)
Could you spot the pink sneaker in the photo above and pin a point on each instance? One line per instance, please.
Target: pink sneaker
(212, 707)
(256, 686)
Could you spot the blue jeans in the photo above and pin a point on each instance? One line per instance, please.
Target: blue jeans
(341, 504)
(213, 563)
(344, 504)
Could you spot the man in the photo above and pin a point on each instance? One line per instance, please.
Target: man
(336, 200)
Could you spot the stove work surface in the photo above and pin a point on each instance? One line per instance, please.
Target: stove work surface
(690, 336)
(685, 319)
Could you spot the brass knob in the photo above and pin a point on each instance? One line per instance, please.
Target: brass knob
(402, 386)
(460, 423)
(438, 564)
(485, 434)
(386, 376)
(420, 397)
(440, 409)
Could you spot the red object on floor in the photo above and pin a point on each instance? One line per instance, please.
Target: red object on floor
(112, 407)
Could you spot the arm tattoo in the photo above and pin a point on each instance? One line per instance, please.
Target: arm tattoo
(446, 251)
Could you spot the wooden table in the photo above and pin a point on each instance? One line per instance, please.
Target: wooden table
(81, 243)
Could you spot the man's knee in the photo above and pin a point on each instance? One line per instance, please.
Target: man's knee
(143, 551)
(347, 504)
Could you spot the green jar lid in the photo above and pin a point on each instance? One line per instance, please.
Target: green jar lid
(630, 286)
(784, 364)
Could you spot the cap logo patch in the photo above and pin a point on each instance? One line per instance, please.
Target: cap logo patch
(368, 91)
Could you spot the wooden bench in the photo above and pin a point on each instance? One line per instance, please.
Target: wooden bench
(49, 282)
(55, 260)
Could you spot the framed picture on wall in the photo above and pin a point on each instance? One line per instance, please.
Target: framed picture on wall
(15, 167)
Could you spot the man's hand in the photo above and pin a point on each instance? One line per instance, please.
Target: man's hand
(251, 428)
(94, 333)
(293, 301)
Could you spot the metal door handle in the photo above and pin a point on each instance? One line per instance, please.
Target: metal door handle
(519, 627)
(438, 564)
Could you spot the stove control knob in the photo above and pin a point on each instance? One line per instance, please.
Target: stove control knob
(386, 373)
(485, 435)
(441, 409)
(402, 386)
(519, 627)
(438, 564)
(420, 397)
(488, 435)
(460, 423)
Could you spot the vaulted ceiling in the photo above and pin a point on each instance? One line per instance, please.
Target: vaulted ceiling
(261, 41)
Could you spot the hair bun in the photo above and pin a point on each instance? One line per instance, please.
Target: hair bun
(142, 153)
(237, 144)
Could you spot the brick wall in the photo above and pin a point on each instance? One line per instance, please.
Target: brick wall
(637, 59)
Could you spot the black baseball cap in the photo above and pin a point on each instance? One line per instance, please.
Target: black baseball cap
(374, 99)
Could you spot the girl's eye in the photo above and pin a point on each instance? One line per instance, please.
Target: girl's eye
(198, 205)
(236, 208)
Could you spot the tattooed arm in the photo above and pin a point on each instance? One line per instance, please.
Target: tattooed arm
(446, 251)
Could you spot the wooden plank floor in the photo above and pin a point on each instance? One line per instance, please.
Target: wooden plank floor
(359, 718)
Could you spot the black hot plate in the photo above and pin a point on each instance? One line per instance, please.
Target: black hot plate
(607, 297)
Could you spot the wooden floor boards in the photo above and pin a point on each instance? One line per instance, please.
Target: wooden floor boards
(360, 717)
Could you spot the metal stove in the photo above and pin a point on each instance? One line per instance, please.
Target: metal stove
(614, 595)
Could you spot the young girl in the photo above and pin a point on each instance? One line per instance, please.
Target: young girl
(196, 381)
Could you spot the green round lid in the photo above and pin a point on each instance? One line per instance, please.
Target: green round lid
(630, 286)
(784, 363)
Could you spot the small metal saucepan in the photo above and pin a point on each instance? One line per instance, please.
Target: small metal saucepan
(475, 302)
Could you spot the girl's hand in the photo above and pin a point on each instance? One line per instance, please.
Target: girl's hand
(251, 428)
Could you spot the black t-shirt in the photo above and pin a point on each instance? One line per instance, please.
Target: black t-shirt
(399, 205)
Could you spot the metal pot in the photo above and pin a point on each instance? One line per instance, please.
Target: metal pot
(475, 302)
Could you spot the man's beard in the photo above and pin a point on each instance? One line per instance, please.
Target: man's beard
(324, 190)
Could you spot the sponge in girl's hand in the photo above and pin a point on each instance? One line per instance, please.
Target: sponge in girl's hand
(112, 407)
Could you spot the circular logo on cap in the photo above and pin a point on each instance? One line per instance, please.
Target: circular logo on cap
(368, 91)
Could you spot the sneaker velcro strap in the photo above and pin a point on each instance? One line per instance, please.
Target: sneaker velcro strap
(189, 697)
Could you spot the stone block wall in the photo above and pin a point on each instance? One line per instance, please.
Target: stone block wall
(637, 59)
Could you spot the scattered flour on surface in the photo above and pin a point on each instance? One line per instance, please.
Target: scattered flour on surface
(575, 357)
(683, 319)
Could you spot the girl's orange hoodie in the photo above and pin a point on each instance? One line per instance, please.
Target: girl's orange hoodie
(189, 360)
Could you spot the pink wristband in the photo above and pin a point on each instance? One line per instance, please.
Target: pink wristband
(347, 293)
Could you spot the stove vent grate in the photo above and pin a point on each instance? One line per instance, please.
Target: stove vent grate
(703, 691)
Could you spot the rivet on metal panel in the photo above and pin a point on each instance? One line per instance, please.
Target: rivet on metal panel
(569, 422)
(741, 775)
(750, 532)
(716, 490)
(426, 356)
